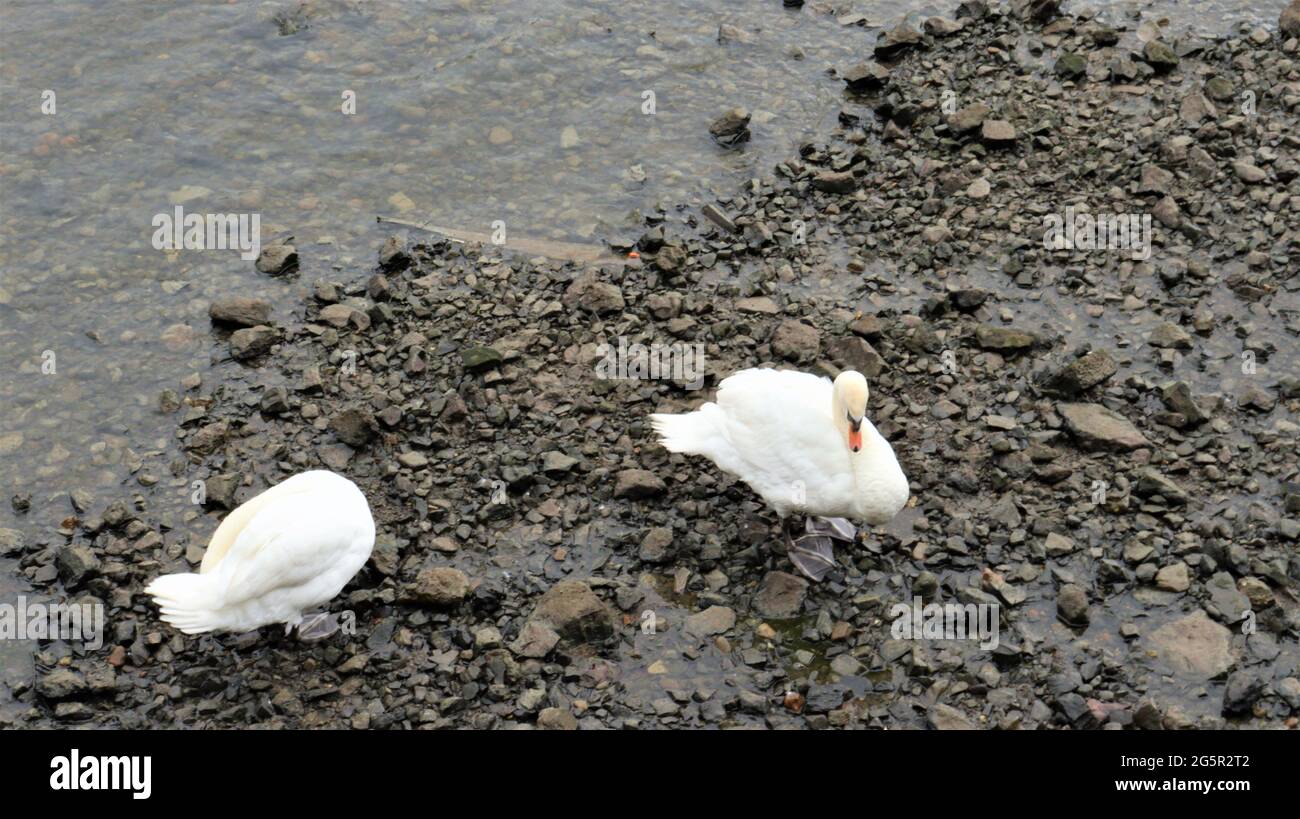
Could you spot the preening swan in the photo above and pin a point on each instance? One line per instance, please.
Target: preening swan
(275, 558)
(805, 445)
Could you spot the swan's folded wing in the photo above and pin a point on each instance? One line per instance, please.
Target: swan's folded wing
(229, 530)
(779, 426)
(288, 543)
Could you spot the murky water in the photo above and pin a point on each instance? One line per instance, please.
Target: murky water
(564, 120)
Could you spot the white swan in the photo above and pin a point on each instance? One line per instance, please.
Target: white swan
(276, 557)
(803, 444)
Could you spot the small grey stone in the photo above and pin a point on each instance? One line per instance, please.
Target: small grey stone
(946, 718)
(240, 311)
(1174, 578)
(440, 586)
(251, 342)
(1100, 428)
(1072, 605)
(796, 341)
(637, 484)
(711, 621)
(1160, 56)
(278, 259)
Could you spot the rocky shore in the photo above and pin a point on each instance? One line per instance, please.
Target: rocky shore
(1101, 444)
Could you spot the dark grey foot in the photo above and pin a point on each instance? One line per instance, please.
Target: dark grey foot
(317, 626)
(813, 556)
(833, 528)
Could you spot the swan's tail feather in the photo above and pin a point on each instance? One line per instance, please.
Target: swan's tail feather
(188, 602)
(690, 433)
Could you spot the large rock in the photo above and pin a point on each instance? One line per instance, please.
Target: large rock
(796, 341)
(1152, 482)
(1072, 605)
(1160, 56)
(998, 132)
(780, 595)
(656, 546)
(441, 586)
(353, 427)
(251, 342)
(587, 292)
(1178, 397)
(278, 259)
(556, 719)
(896, 41)
(856, 354)
(535, 640)
(1004, 339)
(1194, 646)
(968, 118)
(670, 259)
(341, 315)
(637, 484)
(835, 182)
(1083, 373)
(61, 684)
(221, 490)
(574, 612)
(1039, 11)
(1070, 65)
(479, 357)
(732, 128)
(11, 542)
(76, 563)
(1168, 335)
(240, 311)
(206, 439)
(1097, 427)
(1243, 688)
(865, 76)
(946, 718)
(711, 621)
(1174, 578)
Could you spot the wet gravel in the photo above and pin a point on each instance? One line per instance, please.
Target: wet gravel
(1102, 446)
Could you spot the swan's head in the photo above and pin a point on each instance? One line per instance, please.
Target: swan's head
(849, 406)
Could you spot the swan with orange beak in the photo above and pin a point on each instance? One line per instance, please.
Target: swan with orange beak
(805, 445)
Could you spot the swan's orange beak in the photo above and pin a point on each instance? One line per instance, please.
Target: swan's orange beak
(855, 439)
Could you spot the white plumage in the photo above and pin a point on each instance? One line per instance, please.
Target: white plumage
(279, 555)
(783, 433)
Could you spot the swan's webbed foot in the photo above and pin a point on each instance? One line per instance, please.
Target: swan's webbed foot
(833, 528)
(813, 556)
(317, 626)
